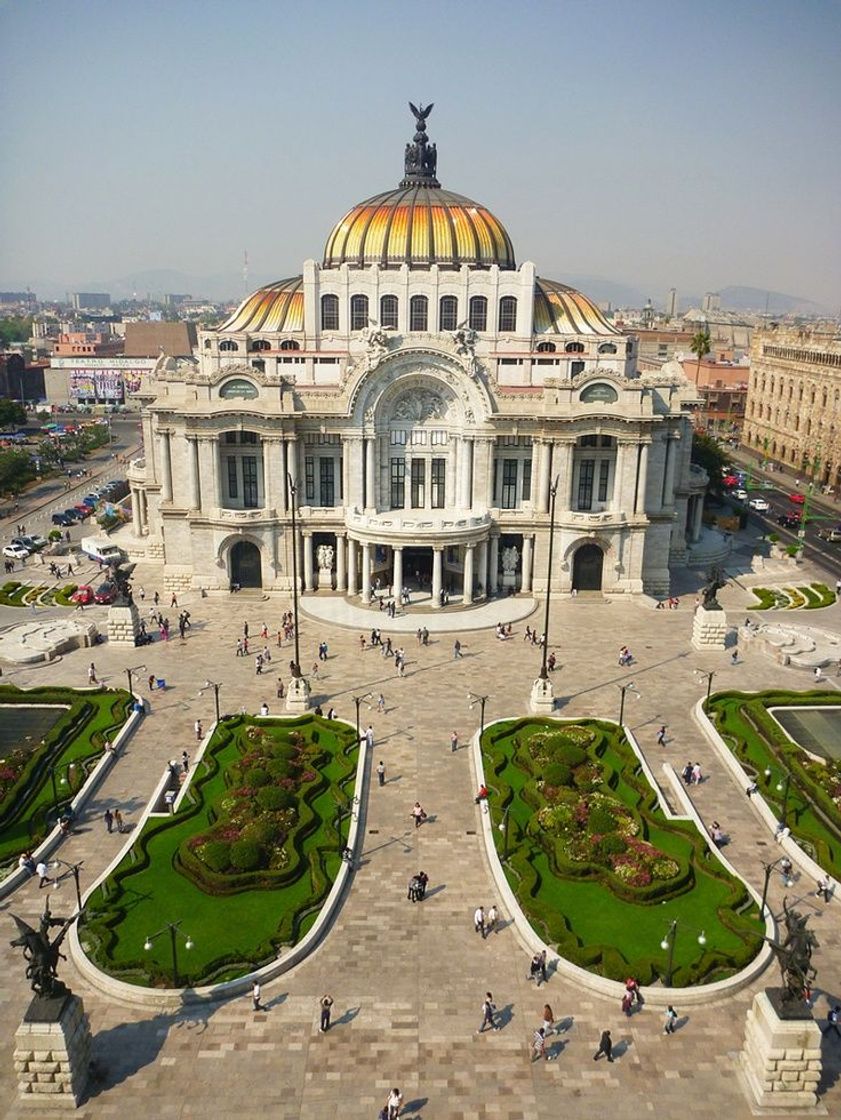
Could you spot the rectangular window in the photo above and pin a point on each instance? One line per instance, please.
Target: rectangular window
(495, 481)
(232, 477)
(326, 482)
(586, 470)
(509, 483)
(439, 467)
(604, 475)
(418, 436)
(309, 478)
(230, 437)
(247, 437)
(437, 437)
(341, 479)
(398, 438)
(527, 480)
(398, 483)
(249, 481)
(418, 483)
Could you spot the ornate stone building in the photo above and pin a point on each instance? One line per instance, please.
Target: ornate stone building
(423, 393)
(793, 410)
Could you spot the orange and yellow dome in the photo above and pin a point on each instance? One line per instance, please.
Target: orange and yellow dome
(559, 309)
(277, 307)
(419, 225)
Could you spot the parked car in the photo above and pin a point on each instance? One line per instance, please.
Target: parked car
(740, 494)
(798, 499)
(62, 519)
(72, 513)
(90, 500)
(16, 552)
(759, 504)
(105, 593)
(31, 544)
(730, 480)
(789, 520)
(83, 510)
(833, 535)
(83, 595)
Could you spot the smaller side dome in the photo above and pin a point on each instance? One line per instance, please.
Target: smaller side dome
(559, 309)
(277, 307)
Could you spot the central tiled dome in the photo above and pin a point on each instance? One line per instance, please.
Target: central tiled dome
(419, 224)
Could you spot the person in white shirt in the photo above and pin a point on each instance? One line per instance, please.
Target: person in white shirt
(394, 1104)
(479, 920)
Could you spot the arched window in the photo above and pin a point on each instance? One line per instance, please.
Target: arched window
(546, 347)
(290, 344)
(358, 313)
(478, 316)
(388, 311)
(329, 313)
(607, 348)
(508, 313)
(574, 348)
(418, 313)
(228, 344)
(447, 313)
(261, 344)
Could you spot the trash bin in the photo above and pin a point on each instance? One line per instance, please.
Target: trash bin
(160, 684)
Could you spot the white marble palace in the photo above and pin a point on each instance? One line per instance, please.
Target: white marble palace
(421, 395)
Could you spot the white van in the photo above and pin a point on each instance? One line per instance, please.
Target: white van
(101, 549)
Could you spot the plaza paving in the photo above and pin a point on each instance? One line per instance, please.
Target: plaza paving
(408, 980)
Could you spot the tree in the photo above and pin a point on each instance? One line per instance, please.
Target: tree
(11, 414)
(707, 454)
(16, 469)
(15, 328)
(700, 345)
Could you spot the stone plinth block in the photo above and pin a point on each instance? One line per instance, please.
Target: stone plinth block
(325, 579)
(53, 1053)
(298, 695)
(123, 624)
(777, 1071)
(542, 700)
(709, 628)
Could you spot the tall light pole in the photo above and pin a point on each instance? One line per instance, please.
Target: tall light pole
(709, 674)
(553, 493)
(215, 686)
(293, 492)
(72, 869)
(623, 688)
(769, 867)
(357, 701)
(172, 929)
(474, 698)
(503, 828)
(668, 943)
(130, 673)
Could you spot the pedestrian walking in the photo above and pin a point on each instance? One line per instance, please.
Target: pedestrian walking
(605, 1047)
(108, 817)
(118, 820)
(661, 736)
(419, 813)
(423, 882)
(325, 1003)
(686, 774)
(258, 664)
(151, 682)
(456, 650)
(157, 598)
(454, 741)
(256, 992)
(245, 629)
(239, 647)
(394, 1104)
(173, 601)
(632, 987)
(198, 730)
(185, 762)
(669, 1020)
(627, 1004)
(414, 892)
(832, 1021)
(696, 774)
(491, 919)
(542, 955)
(535, 970)
(381, 772)
(281, 690)
(488, 1013)
(92, 674)
(538, 1046)
(369, 736)
(824, 890)
(548, 1020)
(479, 920)
(381, 703)
(734, 656)
(41, 872)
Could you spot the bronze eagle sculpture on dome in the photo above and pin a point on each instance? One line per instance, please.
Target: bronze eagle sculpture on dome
(421, 114)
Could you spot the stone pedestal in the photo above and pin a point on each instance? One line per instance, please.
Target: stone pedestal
(123, 624)
(298, 695)
(542, 701)
(781, 1059)
(52, 1053)
(509, 580)
(709, 628)
(325, 579)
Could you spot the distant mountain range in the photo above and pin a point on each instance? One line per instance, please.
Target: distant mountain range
(229, 286)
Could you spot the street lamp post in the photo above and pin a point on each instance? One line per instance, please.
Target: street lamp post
(357, 701)
(130, 673)
(668, 943)
(784, 787)
(503, 828)
(769, 867)
(72, 869)
(709, 674)
(293, 492)
(474, 698)
(171, 928)
(215, 686)
(553, 493)
(623, 688)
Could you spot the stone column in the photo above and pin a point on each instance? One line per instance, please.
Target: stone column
(544, 467)
(672, 451)
(370, 473)
(565, 460)
(467, 590)
(620, 476)
(136, 526)
(353, 453)
(144, 513)
(193, 469)
(166, 467)
(292, 462)
(527, 562)
(341, 574)
(642, 481)
(483, 567)
(697, 517)
(366, 572)
(209, 471)
(465, 470)
(437, 558)
(493, 575)
(308, 582)
(282, 495)
(274, 476)
(351, 566)
(397, 575)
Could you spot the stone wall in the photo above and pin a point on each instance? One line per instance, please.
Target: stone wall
(52, 1056)
(781, 1059)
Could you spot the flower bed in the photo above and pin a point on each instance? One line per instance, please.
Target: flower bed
(813, 806)
(813, 597)
(598, 868)
(245, 863)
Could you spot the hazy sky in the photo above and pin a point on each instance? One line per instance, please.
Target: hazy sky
(655, 143)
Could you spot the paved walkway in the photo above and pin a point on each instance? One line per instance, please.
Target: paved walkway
(408, 980)
(339, 611)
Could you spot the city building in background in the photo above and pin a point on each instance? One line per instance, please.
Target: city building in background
(671, 303)
(90, 301)
(793, 412)
(423, 391)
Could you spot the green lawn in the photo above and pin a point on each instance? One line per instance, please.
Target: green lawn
(237, 921)
(68, 751)
(605, 894)
(813, 811)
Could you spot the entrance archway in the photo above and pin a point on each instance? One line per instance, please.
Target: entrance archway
(587, 567)
(246, 569)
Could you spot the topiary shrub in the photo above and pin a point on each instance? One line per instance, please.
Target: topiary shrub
(611, 845)
(256, 777)
(279, 768)
(272, 798)
(565, 751)
(246, 855)
(557, 774)
(284, 750)
(601, 821)
(217, 855)
(264, 830)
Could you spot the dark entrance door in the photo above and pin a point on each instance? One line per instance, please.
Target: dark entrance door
(587, 568)
(245, 565)
(417, 568)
